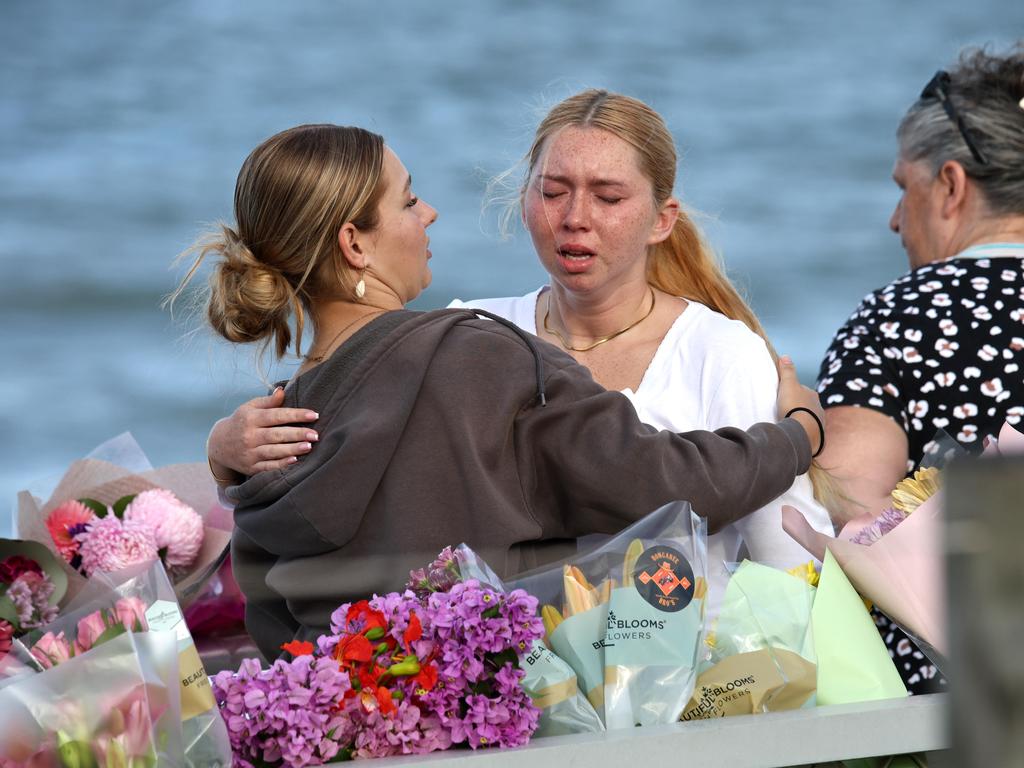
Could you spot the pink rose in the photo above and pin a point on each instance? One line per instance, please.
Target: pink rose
(51, 650)
(131, 613)
(89, 630)
(6, 634)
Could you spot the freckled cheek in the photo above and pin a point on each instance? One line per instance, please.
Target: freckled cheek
(542, 216)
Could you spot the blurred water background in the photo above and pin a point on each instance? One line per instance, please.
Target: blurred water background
(123, 125)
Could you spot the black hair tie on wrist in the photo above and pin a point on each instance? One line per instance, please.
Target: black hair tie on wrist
(821, 427)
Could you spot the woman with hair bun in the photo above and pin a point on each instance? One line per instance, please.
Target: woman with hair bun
(434, 427)
(636, 295)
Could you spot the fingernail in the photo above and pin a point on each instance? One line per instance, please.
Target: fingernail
(312, 436)
(278, 389)
(292, 459)
(786, 360)
(312, 415)
(305, 446)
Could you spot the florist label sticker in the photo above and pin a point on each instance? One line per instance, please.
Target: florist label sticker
(664, 578)
(165, 616)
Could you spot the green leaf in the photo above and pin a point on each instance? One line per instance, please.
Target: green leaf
(7, 611)
(109, 634)
(121, 505)
(99, 508)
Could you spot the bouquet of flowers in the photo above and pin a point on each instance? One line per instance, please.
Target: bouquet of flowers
(91, 690)
(628, 616)
(112, 511)
(792, 638)
(31, 585)
(894, 558)
(397, 674)
(138, 602)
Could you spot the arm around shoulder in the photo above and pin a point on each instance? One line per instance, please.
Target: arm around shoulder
(594, 463)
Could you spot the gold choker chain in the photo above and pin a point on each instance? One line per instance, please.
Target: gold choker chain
(565, 343)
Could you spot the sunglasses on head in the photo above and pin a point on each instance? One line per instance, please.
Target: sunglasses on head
(938, 88)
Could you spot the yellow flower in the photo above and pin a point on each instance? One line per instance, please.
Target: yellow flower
(911, 493)
(805, 572)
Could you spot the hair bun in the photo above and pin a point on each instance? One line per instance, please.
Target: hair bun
(249, 300)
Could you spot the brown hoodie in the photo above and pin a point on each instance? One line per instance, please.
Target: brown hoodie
(439, 428)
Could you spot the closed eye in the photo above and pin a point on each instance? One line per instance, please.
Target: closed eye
(610, 200)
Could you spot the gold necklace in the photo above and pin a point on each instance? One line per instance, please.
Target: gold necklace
(603, 339)
(321, 357)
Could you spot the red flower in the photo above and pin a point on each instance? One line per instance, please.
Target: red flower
(426, 678)
(387, 704)
(298, 648)
(413, 632)
(354, 648)
(15, 565)
(366, 617)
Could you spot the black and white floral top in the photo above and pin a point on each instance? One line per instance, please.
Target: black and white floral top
(941, 347)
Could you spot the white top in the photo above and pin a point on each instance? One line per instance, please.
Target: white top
(708, 372)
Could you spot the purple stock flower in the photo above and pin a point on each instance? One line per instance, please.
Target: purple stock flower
(30, 594)
(287, 713)
(440, 576)
(885, 522)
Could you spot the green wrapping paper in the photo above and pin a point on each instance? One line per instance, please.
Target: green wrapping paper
(853, 663)
(764, 608)
(762, 657)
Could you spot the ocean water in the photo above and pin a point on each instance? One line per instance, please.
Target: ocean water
(123, 124)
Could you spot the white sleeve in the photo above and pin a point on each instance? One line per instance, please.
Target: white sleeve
(745, 396)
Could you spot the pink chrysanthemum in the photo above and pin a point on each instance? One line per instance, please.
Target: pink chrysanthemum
(68, 515)
(177, 527)
(110, 545)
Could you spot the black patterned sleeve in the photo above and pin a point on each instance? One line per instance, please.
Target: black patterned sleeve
(859, 367)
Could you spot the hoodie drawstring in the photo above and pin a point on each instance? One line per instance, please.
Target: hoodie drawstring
(531, 342)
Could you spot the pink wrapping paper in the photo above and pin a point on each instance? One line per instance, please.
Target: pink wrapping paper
(901, 573)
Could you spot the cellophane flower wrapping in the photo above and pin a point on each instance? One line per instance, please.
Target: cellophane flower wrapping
(114, 470)
(398, 674)
(115, 704)
(628, 616)
(761, 656)
(140, 598)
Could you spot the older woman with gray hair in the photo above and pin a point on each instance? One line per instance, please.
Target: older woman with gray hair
(942, 346)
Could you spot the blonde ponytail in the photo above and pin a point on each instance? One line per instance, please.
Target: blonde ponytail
(685, 265)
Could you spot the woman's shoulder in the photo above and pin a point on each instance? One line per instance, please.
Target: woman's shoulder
(709, 329)
(520, 310)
